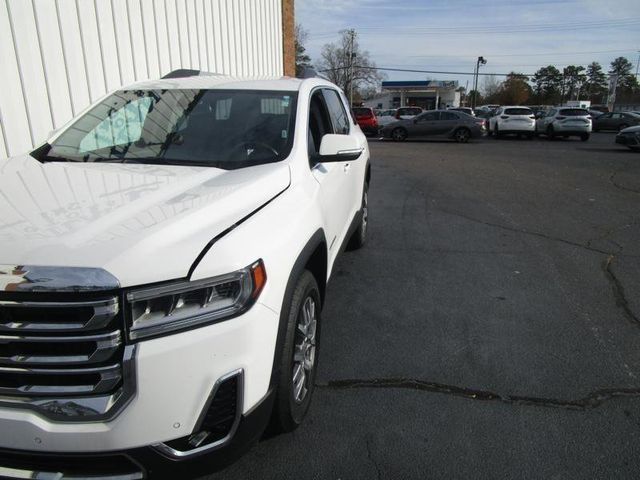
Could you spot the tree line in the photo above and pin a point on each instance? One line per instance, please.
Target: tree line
(552, 86)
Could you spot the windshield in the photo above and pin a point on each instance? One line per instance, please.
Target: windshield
(220, 128)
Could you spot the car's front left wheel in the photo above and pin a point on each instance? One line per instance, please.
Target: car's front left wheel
(299, 356)
(359, 236)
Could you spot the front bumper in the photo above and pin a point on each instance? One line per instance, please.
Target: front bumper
(139, 463)
(174, 378)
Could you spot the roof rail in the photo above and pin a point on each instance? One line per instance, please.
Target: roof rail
(186, 72)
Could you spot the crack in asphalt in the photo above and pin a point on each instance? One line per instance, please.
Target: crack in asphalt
(372, 460)
(618, 186)
(618, 291)
(591, 401)
(529, 232)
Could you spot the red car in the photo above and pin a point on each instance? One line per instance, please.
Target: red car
(366, 119)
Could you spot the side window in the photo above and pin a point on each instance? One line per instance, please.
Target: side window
(337, 113)
(551, 113)
(123, 126)
(319, 123)
(428, 117)
(346, 102)
(448, 116)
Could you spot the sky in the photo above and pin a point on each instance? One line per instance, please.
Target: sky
(449, 35)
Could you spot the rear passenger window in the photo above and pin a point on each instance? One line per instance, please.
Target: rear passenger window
(448, 116)
(337, 112)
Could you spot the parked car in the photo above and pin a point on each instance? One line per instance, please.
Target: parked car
(615, 121)
(487, 108)
(594, 114)
(366, 119)
(407, 113)
(456, 125)
(629, 137)
(467, 110)
(564, 122)
(512, 120)
(386, 117)
(168, 255)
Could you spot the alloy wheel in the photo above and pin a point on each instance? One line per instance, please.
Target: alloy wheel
(304, 353)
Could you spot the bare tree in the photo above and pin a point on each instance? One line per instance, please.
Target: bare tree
(490, 87)
(339, 59)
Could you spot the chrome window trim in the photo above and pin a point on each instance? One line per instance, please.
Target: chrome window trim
(174, 454)
(36, 278)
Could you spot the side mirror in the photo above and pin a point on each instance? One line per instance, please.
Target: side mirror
(339, 148)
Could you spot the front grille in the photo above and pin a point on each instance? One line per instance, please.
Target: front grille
(63, 354)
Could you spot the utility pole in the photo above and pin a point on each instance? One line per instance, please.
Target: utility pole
(638, 64)
(352, 56)
(481, 61)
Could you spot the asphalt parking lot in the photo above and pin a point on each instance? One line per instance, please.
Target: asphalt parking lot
(490, 328)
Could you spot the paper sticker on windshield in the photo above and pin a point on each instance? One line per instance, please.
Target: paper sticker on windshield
(285, 101)
(284, 134)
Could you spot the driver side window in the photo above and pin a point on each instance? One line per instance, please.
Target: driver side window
(319, 125)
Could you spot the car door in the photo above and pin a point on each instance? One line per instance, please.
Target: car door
(424, 125)
(447, 121)
(603, 122)
(336, 189)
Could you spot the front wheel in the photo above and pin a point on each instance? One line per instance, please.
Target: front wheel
(359, 237)
(584, 137)
(462, 135)
(299, 356)
(399, 135)
(496, 131)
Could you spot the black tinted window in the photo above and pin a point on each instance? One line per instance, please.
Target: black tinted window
(428, 117)
(448, 116)
(336, 111)
(220, 128)
(573, 112)
(518, 111)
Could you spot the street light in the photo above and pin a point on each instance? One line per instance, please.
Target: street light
(481, 61)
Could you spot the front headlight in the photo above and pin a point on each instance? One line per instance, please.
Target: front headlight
(162, 309)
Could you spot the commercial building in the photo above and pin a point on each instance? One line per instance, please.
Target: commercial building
(59, 56)
(428, 94)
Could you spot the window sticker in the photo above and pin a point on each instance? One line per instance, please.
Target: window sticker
(285, 101)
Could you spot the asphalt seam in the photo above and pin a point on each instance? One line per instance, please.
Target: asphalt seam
(618, 291)
(592, 400)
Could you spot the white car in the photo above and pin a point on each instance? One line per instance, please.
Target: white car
(164, 261)
(565, 122)
(512, 120)
(385, 117)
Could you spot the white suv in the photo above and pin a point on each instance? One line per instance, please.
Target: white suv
(565, 122)
(512, 120)
(164, 260)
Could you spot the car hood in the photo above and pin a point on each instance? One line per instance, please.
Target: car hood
(141, 223)
(631, 129)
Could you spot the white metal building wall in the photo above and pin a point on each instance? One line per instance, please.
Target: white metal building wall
(58, 56)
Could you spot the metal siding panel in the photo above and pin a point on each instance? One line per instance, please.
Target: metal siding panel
(279, 35)
(136, 33)
(91, 46)
(160, 19)
(225, 41)
(183, 35)
(15, 123)
(217, 33)
(208, 33)
(202, 35)
(125, 52)
(74, 54)
(31, 69)
(192, 31)
(108, 46)
(150, 39)
(173, 38)
(53, 55)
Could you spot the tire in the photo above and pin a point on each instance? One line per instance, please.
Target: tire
(293, 397)
(462, 135)
(584, 137)
(399, 135)
(496, 131)
(550, 133)
(359, 236)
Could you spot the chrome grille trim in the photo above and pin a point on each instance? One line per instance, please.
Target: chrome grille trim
(103, 312)
(106, 346)
(62, 343)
